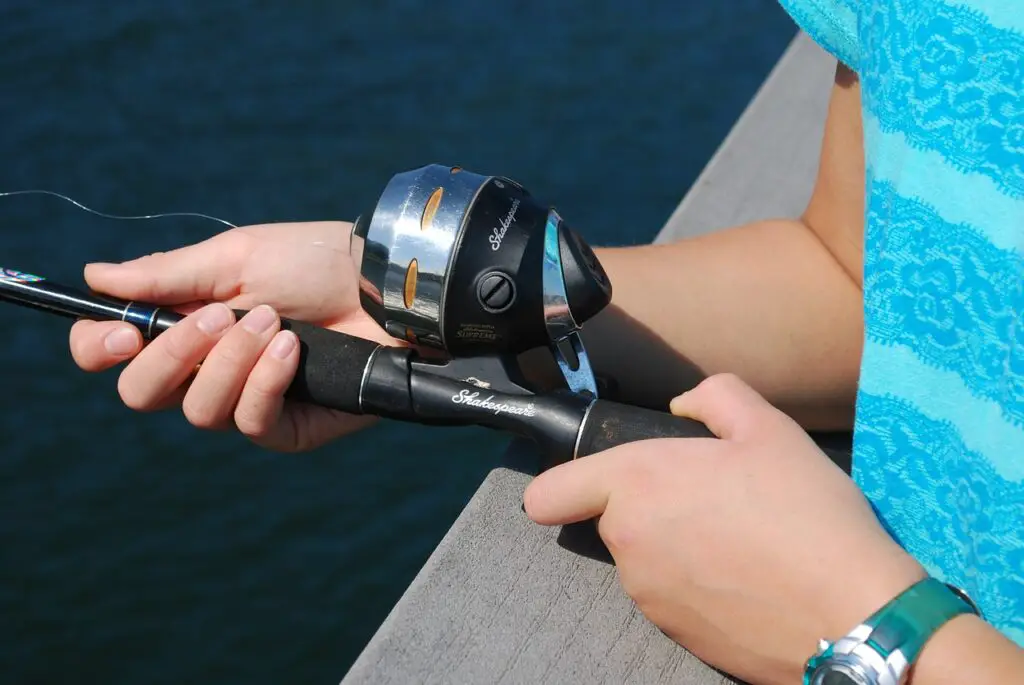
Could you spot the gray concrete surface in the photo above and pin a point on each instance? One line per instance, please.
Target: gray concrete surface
(502, 600)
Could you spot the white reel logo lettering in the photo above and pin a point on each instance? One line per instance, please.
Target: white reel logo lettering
(472, 399)
(502, 228)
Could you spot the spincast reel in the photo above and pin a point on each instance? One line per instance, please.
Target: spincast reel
(475, 266)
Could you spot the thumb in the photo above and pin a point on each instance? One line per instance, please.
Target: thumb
(574, 491)
(208, 270)
(724, 403)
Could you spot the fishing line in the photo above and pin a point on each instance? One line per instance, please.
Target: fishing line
(114, 216)
(316, 243)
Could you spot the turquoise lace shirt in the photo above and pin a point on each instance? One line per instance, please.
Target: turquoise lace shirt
(939, 435)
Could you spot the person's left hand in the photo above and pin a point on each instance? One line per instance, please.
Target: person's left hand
(746, 549)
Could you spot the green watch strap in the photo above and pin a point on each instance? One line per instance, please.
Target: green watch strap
(910, 619)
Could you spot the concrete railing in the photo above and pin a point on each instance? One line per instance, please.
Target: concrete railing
(502, 600)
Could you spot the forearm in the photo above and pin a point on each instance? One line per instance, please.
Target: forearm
(968, 650)
(765, 301)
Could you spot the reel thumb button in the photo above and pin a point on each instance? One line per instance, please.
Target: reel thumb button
(496, 292)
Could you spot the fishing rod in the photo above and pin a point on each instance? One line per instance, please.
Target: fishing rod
(359, 376)
(469, 265)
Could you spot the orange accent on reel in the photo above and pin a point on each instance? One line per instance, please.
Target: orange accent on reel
(410, 283)
(427, 220)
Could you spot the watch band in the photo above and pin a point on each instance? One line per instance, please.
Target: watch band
(879, 650)
(909, 620)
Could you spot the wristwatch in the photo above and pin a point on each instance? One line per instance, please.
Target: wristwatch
(880, 650)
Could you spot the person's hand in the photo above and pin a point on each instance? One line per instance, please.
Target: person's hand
(745, 549)
(303, 271)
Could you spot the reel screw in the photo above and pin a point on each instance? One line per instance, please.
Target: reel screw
(496, 292)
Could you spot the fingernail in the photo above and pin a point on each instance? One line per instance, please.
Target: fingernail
(282, 345)
(214, 319)
(120, 341)
(259, 319)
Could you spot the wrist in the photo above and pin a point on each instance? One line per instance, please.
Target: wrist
(872, 581)
(942, 654)
(902, 611)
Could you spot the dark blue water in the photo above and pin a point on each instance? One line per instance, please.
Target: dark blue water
(137, 549)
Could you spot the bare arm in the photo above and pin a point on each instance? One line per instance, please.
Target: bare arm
(968, 650)
(778, 302)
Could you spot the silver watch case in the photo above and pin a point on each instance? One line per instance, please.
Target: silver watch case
(857, 659)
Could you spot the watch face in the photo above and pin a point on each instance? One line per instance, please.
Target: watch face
(838, 678)
(838, 674)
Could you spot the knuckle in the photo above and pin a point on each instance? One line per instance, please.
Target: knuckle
(131, 394)
(251, 422)
(233, 240)
(231, 246)
(634, 588)
(253, 413)
(234, 352)
(721, 381)
(618, 533)
(722, 384)
(200, 414)
(730, 379)
(180, 348)
(641, 483)
(261, 389)
(270, 381)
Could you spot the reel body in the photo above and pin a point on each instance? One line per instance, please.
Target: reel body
(475, 266)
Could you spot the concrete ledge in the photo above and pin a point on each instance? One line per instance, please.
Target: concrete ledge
(502, 600)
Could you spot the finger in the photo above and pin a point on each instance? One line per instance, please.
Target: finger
(332, 235)
(173, 399)
(167, 362)
(211, 400)
(99, 345)
(205, 271)
(93, 350)
(725, 404)
(261, 405)
(574, 491)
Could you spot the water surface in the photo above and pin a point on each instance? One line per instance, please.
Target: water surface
(137, 549)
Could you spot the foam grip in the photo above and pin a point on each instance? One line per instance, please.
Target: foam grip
(609, 424)
(331, 366)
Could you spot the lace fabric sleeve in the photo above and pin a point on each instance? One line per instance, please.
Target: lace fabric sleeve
(832, 24)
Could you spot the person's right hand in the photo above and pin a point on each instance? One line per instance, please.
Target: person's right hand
(303, 271)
